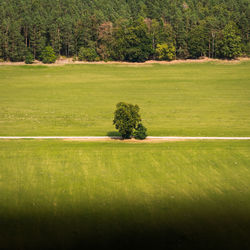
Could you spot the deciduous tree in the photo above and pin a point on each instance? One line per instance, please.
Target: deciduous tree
(230, 44)
(126, 118)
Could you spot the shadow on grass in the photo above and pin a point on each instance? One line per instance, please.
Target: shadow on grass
(113, 134)
(113, 228)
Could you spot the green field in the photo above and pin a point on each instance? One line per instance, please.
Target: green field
(180, 194)
(208, 99)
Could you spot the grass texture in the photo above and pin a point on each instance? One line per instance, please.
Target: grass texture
(175, 195)
(206, 99)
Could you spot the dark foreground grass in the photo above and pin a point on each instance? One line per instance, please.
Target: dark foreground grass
(210, 99)
(73, 195)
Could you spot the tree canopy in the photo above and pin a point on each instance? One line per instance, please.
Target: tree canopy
(126, 119)
(127, 30)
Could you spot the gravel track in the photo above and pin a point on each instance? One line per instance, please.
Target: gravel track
(101, 138)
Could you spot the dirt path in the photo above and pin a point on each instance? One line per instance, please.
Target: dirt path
(150, 139)
(64, 61)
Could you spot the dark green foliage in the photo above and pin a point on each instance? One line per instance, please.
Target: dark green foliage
(13, 48)
(124, 30)
(48, 55)
(126, 119)
(140, 132)
(198, 45)
(87, 54)
(29, 58)
(132, 43)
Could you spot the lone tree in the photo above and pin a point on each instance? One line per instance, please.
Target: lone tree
(127, 119)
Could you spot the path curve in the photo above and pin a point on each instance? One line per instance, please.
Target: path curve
(100, 138)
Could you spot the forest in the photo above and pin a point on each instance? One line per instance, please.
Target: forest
(124, 30)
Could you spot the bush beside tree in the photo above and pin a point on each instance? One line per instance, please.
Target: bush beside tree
(140, 132)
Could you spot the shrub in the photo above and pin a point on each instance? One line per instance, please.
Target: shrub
(48, 55)
(165, 51)
(140, 132)
(29, 58)
(126, 119)
(87, 54)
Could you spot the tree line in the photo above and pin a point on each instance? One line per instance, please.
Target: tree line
(124, 30)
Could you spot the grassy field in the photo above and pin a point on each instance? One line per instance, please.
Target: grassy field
(208, 99)
(179, 194)
(63, 195)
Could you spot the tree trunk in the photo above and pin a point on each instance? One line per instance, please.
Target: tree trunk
(26, 36)
(209, 50)
(213, 35)
(58, 36)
